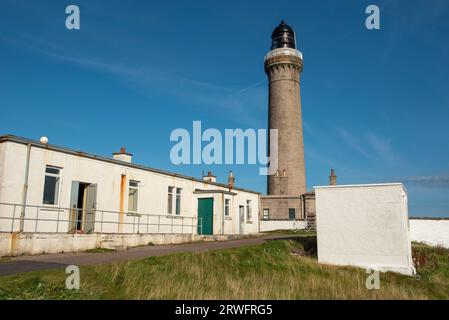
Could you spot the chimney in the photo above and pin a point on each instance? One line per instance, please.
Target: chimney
(210, 177)
(122, 155)
(231, 180)
(332, 178)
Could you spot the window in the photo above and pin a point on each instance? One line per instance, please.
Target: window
(170, 200)
(51, 185)
(292, 213)
(248, 210)
(133, 195)
(226, 207)
(266, 214)
(178, 201)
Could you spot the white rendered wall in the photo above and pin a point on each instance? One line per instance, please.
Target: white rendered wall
(430, 231)
(365, 226)
(152, 197)
(270, 225)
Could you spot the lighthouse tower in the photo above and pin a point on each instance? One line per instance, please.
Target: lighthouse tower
(283, 66)
(287, 197)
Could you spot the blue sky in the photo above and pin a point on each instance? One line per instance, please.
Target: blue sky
(375, 103)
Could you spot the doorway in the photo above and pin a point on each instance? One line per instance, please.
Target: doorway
(242, 218)
(206, 216)
(83, 203)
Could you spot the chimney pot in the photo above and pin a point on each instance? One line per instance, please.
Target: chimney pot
(332, 178)
(231, 180)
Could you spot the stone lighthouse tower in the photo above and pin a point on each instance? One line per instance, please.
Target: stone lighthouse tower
(287, 197)
(283, 66)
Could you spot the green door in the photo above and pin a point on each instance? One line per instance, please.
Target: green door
(205, 216)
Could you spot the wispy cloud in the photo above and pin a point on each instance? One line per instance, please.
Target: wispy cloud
(383, 148)
(240, 103)
(441, 181)
(353, 142)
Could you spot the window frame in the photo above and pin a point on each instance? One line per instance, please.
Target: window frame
(57, 189)
(178, 199)
(170, 200)
(227, 207)
(266, 214)
(249, 214)
(294, 214)
(136, 188)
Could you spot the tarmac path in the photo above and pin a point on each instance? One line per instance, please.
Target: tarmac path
(20, 264)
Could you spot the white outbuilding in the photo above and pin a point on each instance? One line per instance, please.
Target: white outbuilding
(365, 226)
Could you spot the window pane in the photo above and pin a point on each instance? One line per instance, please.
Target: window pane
(292, 214)
(227, 201)
(132, 199)
(52, 170)
(178, 204)
(51, 187)
(170, 204)
(266, 214)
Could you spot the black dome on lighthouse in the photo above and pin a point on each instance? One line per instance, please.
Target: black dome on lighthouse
(283, 36)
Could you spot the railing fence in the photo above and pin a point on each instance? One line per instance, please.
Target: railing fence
(49, 219)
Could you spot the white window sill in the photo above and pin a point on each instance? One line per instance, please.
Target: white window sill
(228, 218)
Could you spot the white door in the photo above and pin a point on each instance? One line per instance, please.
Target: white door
(242, 218)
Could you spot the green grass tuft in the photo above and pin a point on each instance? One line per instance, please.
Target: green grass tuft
(279, 269)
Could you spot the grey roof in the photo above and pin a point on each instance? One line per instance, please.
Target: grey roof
(34, 143)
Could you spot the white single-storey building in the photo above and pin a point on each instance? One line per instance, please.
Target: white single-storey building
(365, 226)
(50, 189)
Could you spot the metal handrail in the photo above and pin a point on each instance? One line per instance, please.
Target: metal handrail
(36, 219)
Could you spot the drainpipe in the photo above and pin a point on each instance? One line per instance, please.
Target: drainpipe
(25, 188)
(122, 202)
(223, 217)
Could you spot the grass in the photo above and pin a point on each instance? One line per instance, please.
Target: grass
(298, 232)
(280, 269)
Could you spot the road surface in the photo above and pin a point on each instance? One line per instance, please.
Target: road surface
(62, 260)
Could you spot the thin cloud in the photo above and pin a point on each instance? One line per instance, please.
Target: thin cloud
(240, 103)
(441, 181)
(353, 142)
(383, 148)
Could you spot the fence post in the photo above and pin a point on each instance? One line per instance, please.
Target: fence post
(37, 219)
(138, 225)
(118, 224)
(101, 223)
(182, 226)
(13, 218)
(57, 223)
(172, 225)
(158, 224)
(148, 216)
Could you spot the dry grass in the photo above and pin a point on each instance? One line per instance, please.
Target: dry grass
(275, 270)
